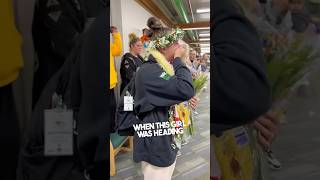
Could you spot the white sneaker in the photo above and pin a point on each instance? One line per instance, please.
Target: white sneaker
(178, 153)
(272, 161)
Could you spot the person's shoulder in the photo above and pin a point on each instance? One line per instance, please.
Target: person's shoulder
(148, 66)
(126, 55)
(141, 58)
(149, 69)
(226, 7)
(116, 35)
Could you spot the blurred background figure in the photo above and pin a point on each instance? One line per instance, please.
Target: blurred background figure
(131, 60)
(10, 65)
(115, 50)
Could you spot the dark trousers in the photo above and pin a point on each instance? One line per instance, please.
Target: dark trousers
(9, 134)
(112, 107)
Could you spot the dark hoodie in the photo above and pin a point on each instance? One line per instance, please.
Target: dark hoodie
(241, 91)
(153, 98)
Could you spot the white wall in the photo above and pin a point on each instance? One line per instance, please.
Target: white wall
(128, 16)
(134, 19)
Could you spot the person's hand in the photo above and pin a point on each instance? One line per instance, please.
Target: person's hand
(268, 128)
(195, 75)
(194, 102)
(114, 29)
(179, 51)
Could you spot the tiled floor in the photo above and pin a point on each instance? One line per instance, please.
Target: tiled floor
(298, 146)
(194, 162)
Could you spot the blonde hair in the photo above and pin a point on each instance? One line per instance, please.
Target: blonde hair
(133, 38)
(186, 57)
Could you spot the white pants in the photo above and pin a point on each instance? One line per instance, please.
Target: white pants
(151, 172)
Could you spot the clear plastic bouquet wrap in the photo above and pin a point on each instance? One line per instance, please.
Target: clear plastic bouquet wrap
(287, 70)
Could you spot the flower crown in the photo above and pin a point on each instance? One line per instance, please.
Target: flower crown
(165, 39)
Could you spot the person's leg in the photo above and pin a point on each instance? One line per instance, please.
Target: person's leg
(151, 172)
(113, 106)
(9, 134)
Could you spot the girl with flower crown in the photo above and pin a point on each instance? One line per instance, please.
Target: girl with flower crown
(161, 82)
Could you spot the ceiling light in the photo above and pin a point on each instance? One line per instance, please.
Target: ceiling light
(204, 10)
(204, 35)
(198, 28)
(204, 45)
(204, 39)
(205, 16)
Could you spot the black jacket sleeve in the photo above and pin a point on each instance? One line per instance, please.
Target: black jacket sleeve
(178, 88)
(241, 90)
(93, 119)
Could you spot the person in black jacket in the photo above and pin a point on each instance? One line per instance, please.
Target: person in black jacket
(82, 84)
(156, 91)
(241, 92)
(56, 27)
(131, 60)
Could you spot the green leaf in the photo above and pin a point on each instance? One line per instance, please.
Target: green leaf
(285, 71)
(199, 83)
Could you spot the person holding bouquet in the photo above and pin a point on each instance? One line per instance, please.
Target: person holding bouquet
(241, 94)
(161, 82)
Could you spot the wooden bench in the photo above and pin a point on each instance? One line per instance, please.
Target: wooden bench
(117, 144)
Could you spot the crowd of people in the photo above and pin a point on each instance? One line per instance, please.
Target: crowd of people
(162, 68)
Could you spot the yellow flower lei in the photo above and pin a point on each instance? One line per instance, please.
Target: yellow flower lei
(161, 60)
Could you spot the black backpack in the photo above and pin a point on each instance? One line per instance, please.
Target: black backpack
(126, 119)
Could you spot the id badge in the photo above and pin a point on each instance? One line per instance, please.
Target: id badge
(58, 132)
(128, 103)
